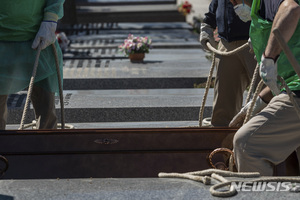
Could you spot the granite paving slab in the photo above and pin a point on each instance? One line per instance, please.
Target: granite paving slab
(125, 8)
(121, 189)
(94, 35)
(83, 106)
(159, 63)
(147, 124)
(120, 2)
(162, 68)
(124, 27)
(132, 83)
(94, 62)
(129, 13)
(116, 37)
(154, 25)
(113, 52)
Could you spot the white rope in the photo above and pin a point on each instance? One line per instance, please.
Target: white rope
(207, 86)
(209, 78)
(61, 96)
(216, 174)
(31, 83)
(30, 87)
(33, 125)
(290, 93)
(255, 95)
(252, 84)
(287, 51)
(226, 53)
(207, 176)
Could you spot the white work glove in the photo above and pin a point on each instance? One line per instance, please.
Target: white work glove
(250, 46)
(239, 118)
(207, 35)
(268, 73)
(63, 40)
(45, 36)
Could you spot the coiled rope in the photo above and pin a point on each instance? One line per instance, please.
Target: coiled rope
(209, 78)
(255, 95)
(207, 176)
(62, 125)
(6, 165)
(252, 84)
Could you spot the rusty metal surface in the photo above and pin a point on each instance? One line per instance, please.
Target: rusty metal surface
(3, 165)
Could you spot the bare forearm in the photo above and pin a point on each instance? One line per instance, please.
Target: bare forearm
(286, 20)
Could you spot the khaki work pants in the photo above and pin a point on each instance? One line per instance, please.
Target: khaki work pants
(44, 107)
(268, 138)
(233, 76)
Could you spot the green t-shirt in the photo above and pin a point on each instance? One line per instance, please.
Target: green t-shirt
(259, 33)
(20, 19)
(19, 23)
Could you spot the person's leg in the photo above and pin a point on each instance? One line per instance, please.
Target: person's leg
(268, 138)
(3, 111)
(250, 64)
(230, 83)
(44, 107)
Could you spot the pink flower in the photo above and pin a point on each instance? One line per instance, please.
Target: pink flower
(135, 45)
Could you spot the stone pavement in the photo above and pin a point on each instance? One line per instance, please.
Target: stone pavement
(101, 84)
(102, 88)
(138, 105)
(122, 189)
(127, 11)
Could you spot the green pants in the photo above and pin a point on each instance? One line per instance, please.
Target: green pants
(44, 107)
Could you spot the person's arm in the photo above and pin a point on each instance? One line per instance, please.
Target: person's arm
(261, 102)
(266, 95)
(54, 8)
(208, 26)
(210, 16)
(286, 21)
(46, 34)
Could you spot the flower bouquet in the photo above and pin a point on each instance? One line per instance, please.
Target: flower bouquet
(185, 8)
(136, 47)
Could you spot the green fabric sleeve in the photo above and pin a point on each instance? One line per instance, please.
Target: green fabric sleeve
(54, 6)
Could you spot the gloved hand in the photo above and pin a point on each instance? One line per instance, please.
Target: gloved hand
(268, 73)
(238, 120)
(63, 40)
(207, 35)
(250, 46)
(45, 36)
